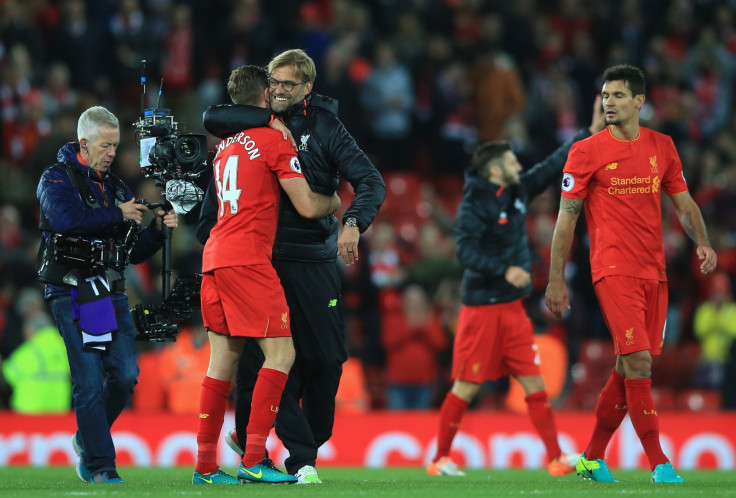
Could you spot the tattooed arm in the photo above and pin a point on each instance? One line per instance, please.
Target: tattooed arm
(557, 297)
(692, 222)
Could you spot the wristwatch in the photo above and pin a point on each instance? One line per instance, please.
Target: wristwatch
(351, 221)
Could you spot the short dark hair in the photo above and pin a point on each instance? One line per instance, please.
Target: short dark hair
(246, 84)
(487, 152)
(632, 76)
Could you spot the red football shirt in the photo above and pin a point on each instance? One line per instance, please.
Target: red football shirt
(247, 169)
(622, 182)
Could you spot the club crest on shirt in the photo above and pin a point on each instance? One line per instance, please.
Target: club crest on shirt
(629, 336)
(653, 162)
(294, 165)
(284, 320)
(303, 146)
(568, 182)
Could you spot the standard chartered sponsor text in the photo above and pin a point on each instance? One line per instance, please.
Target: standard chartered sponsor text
(633, 185)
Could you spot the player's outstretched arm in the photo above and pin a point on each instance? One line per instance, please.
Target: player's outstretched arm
(306, 202)
(692, 222)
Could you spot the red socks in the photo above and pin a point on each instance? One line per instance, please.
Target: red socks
(644, 418)
(609, 412)
(264, 407)
(212, 405)
(451, 413)
(541, 415)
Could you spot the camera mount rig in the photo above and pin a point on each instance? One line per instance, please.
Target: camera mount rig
(173, 159)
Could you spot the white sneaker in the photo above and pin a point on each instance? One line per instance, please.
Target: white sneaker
(444, 467)
(231, 438)
(307, 475)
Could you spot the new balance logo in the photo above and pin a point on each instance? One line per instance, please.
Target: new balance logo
(332, 303)
(204, 415)
(611, 166)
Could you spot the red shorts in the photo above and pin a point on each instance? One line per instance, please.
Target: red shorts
(493, 341)
(635, 311)
(245, 301)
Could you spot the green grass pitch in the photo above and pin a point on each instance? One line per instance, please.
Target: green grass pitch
(360, 482)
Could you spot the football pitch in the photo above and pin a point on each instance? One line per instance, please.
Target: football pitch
(361, 482)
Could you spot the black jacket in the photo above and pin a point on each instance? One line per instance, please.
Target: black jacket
(327, 153)
(490, 228)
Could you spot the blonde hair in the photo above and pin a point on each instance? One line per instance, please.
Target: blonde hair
(304, 68)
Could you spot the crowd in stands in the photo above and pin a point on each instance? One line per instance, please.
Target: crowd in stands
(420, 83)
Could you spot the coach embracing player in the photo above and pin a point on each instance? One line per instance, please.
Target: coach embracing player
(304, 255)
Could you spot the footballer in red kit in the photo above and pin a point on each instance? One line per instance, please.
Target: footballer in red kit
(250, 293)
(622, 182)
(619, 175)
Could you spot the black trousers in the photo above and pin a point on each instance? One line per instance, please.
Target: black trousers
(313, 293)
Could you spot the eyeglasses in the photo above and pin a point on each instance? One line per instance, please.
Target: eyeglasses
(286, 85)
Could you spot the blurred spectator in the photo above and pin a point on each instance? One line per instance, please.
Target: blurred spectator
(247, 38)
(497, 90)
(57, 94)
(23, 120)
(413, 337)
(16, 28)
(177, 67)
(711, 70)
(133, 40)
(388, 98)
(436, 260)
(337, 82)
(454, 134)
(79, 42)
(714, 326)
(387, 269)
(182, 364)
(38, 371)
(352, 394)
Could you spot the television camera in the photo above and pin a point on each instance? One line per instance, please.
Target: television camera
(173, 159)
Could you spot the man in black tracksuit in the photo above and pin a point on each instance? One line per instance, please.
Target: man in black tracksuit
(305, 254)
(494, 335)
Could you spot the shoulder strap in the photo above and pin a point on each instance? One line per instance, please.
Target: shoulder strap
(81, 186)
(118, 186)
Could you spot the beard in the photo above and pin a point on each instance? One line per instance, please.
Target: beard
(280, 106)
(511, 179)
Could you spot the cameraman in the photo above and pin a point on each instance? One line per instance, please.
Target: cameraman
(81, 200)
